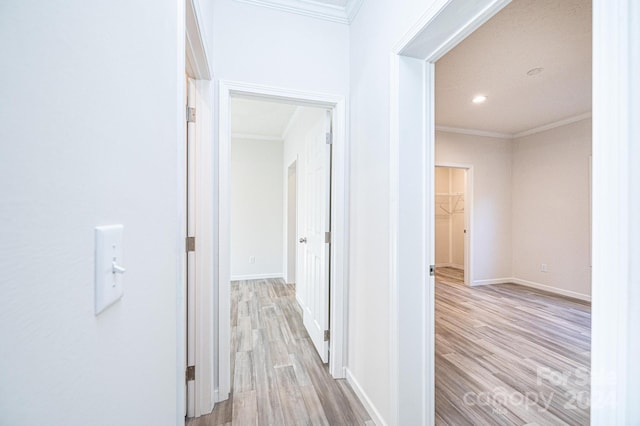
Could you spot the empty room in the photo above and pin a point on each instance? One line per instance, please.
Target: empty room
(513, 217)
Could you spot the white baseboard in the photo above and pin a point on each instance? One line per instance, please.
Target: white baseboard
(492, 281)
(562, 292)
(449, 265)
(366, 402)
(256, 276)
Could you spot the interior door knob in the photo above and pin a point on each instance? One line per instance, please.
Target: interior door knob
(303, 239)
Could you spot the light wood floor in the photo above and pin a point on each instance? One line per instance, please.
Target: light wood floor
(509, 355)
(278, 377)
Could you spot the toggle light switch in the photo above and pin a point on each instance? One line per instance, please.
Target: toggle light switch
(109, 266)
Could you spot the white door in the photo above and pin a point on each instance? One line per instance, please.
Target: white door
(191, 259)
(314, 236)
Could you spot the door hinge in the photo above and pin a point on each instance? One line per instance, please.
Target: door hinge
(432, 270)
(190, 243)
(329, 138)
(326, 335)
(190, 374)
(191, 114)
(327, 237)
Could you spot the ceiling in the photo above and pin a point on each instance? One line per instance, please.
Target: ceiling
(342, 11)
(494, 61)
(253, 119)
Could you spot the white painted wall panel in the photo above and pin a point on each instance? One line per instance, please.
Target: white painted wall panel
(378, 26)
(89, 131)
(265, 46)
(551, 205)
(257, 209)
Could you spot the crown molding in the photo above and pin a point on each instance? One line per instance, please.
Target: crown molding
(474, 132)
(553, 125)
(533, 131)
(352, 9)
(252, 136)
(314, 9)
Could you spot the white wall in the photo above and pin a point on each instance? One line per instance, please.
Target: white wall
(77, 152)
(257, 210)
(551, 205)
(378, 26)
(260, 45)
(491, 198)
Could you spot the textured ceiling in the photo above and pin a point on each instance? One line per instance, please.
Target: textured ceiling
(259, 118)
(494, 60)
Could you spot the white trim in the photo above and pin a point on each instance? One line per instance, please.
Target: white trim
(314, 9)
(205, 259)
(555, 290)
(197, 63)
(616, 194)
(256, 137)
(525, 283)
(339, 214)
(449, 265)
(197, 67)
(474, 132)
(394, 224)
(364, 398)
(273, 275)
(483, 133)
(352, 8)
(478, 283)
(412, 142)
(181, 213)
(553, 125)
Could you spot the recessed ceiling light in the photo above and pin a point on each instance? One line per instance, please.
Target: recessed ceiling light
(535, 71)
(479, 99)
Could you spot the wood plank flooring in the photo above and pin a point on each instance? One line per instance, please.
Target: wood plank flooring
(509, 355)
(277, 376)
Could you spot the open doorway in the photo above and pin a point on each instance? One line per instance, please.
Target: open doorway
(266, 136)
(414, 68)
(320, 165)
(531, 148)
(452, 230)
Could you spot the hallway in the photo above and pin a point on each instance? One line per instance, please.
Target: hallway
(278, 378)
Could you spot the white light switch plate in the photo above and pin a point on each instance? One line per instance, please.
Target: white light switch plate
(108, 279)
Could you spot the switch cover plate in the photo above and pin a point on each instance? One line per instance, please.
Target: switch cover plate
(108, 252)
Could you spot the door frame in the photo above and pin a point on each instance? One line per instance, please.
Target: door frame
(339, 217)
(468, 216)
(197, 67)
(616, 189)
(287, 246)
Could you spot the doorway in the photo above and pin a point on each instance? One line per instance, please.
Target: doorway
(195, 352)
(440, 29)
(452, 218)
(337, 240)
(292, 224)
